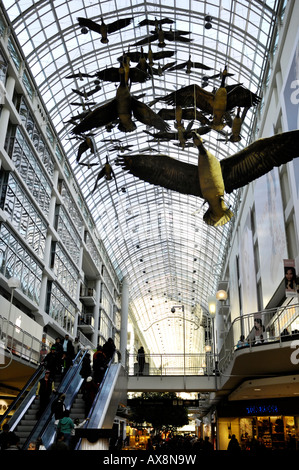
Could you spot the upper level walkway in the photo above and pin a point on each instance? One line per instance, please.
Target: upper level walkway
(270, 355)
(268, 360)
(276, 356)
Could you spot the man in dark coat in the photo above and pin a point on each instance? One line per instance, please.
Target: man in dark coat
(109, 349)
(51, 362)
(67, 353)
(141, 359)
(44, 390)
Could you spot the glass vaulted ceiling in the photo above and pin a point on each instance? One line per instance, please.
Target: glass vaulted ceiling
(156, 238)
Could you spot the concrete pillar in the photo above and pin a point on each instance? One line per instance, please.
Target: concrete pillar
(5, 113)
(96, 311)
(124, 321)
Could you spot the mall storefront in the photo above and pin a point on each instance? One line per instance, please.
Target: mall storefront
(270, 424)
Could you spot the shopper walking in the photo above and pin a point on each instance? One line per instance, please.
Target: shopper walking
(44, 390)
(233, 445)
(66, 425)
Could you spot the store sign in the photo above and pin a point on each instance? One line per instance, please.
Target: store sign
(256, 410)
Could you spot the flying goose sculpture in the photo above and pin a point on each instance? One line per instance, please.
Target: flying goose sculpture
(210, 179)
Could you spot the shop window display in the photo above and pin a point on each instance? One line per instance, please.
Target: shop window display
(271, 432)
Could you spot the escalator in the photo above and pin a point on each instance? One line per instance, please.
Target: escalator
(23, 405)
(69, 386)
(112, 391)
(24, 408)
(99, 426)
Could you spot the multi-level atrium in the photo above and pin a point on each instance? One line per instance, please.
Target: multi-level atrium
(156, 238)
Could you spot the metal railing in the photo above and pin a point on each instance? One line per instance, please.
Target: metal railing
(174, 364)
(273, 323)
(20, 343)
(264, 327)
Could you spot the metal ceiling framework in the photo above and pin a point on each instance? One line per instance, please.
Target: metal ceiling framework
(156, 238)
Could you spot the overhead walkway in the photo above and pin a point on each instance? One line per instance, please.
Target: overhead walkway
(271, 365)
(177, 383)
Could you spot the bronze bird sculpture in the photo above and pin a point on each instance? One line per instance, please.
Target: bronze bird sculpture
(111, 74)
(103, 29)
(160, 35)
(236, 125)
(87, 94)
(210, 178)
(121, 148)
(156, 23)
(80, 75)
(89, 164)
(162, 68)
(226, 98)
(88, 143)
(142, 63)
(122, 108)
(206, 78)
(150, 56)
(178, 124)
(107, 173)
(188, 65)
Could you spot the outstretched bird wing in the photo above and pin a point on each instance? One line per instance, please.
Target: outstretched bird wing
(146, 40)
(191, 95)
(238, 95)
(146, 115)
(196, 65)
(110, 74)
(101, 174)
(162, 170)
(86, 22)
(135, 56)
(154, 22)
(80, 74)
(101, 116)
(118, 24)
(111, 28)
(259, 158)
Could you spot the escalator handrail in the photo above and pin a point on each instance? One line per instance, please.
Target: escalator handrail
(98, 393)
(66, 381)
(20, 396)
(94, 402)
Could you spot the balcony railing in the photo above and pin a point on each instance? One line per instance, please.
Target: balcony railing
(267, 326)
(174, 364)
(18, 342)
(87, 291)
